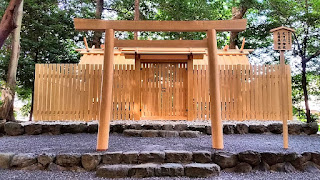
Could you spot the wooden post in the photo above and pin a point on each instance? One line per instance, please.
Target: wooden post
(214, 87)
(283, 101)
(137, 93)
(106, 96)
(190, 87)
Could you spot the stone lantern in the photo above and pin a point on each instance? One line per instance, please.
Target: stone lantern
(282, 38)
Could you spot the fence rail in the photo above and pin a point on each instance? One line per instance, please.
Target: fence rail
(73, 92)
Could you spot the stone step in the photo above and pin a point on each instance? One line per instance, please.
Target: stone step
(161, 133)
(158, 170)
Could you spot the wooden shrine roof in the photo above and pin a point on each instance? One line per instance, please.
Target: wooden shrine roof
(126, 55)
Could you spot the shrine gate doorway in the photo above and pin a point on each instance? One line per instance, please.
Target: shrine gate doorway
(164, 90)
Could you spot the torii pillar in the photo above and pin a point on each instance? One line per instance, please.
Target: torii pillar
(106, 95)
(214, 89)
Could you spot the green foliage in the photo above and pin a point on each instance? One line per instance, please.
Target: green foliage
(47, 36)
(185, 10)
(301, 115)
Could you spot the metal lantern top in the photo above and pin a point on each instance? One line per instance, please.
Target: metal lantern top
(282, 38)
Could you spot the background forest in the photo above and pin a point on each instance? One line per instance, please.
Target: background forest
(48, 35)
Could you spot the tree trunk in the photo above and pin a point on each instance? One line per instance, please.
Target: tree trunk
(98, 35)
(32, 100)
(8, 21)
(305, 92)
(136, 16)
(237, 13)
(9, 90)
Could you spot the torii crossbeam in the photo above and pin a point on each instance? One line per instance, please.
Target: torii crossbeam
(211, 27)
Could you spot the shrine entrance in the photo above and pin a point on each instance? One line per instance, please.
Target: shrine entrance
(164, 91)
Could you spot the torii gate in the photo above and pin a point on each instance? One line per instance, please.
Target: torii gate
(211, 27)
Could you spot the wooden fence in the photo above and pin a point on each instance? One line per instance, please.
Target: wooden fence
(72, 92)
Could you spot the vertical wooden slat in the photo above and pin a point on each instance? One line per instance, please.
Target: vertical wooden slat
(190, 85)
(36, 92)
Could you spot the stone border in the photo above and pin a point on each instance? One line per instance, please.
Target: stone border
(243, 162)
(55, 128)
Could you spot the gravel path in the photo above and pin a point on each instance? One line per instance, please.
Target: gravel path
(195, 122)
(202, 122)
(46, 175)
(83, 143)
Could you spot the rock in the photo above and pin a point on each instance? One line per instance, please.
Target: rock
(5, 160)
(165, 133)
(240, 168)
(288, 157)
(68, 160)
(307, 156)
(33, 129)
(258, 129)
(112, 157)
(263, 166)
(45, 159)
(134, 126)
(90, 161)
(283, 167)
(201, 170)
(143, 170)
(315, 157)
(150, 133)
(32, 167)
(225, 160)
(74, 128)
(55, 167)
(13, 129)
(178, 156)
(189, 134)
(113, 171)
(23, 160)
(132, 132)
(170, 169)
(53, 129)
(202, 156)
(310, 128)
(151, 156)
(180, 127)
(241, 129)
(152, 126)
(275, 128)
(168, 127)
(310, 167)
(272, 158)
(117, 128)
(76, 169)
(2, 132)
(130, 157)
(92, 128)
(298, 162)
(250, 157)
(294, 129)
(208, 130)
(200, 128)
(228, 128)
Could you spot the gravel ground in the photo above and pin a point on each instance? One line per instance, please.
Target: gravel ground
(201, 122)
(44, 175)
(195, 122)
(83, 143)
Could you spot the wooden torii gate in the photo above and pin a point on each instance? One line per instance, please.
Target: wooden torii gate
(211, 27)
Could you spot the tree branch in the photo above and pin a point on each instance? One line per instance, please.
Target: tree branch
(313, 56)
(299, 48)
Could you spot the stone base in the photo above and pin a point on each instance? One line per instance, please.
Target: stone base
(149, 130)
